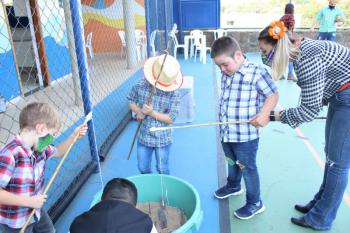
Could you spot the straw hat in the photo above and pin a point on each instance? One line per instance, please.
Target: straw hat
(171, 77)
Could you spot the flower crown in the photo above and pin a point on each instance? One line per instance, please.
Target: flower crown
(277, 30)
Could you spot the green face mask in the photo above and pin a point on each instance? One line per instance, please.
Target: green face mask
(43, 142)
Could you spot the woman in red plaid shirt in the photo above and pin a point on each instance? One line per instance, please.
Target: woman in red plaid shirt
(22, 167)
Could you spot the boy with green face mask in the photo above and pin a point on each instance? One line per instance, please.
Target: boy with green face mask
(22, 166)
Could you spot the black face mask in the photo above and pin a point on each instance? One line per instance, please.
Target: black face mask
(331, 7)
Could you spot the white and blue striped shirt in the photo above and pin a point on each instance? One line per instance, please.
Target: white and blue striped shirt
(242, 96)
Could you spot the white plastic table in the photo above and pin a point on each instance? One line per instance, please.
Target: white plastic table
(187, 103)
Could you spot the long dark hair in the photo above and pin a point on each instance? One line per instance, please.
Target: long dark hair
(264, 35)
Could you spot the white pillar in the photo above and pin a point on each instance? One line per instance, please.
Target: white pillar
(129, 27)
(71, 46)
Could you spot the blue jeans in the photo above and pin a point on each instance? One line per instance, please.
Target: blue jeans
(44, 225)
(243, 154)
(327, 36)
(326, 202)
(144, 158)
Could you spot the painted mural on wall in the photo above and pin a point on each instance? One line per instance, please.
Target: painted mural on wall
(102, 17)
(56, 46)
(105, 17)
(55, 37)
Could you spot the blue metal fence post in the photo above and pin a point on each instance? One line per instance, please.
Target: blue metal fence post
(179, 7)
(172, 12)
(218, 15)
(148, 27)
(157, 23)
(75, 6)
(165, 23)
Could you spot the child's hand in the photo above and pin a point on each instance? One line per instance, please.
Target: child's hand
(81, 130)
(37, 201)
(146, 109)
(260, 120)
(140, 115)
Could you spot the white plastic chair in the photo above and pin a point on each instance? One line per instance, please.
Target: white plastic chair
(219, 33)
(121, 35)
(196, 34)
(152, 41)
(173, 30)
(176, 44)
(88, 45)
(200, 45)
(140, 37)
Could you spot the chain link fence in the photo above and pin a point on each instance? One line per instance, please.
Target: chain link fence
(38, 62)
(160, 19)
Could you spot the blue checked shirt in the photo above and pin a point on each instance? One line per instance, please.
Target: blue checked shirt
(162, 102)
(242, 96)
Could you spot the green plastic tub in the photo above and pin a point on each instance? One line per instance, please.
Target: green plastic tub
(181, 195)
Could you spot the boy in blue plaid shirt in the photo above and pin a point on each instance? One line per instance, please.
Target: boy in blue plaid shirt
(159, 112)
(247, 94)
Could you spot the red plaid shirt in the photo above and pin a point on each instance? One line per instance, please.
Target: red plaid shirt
(21, 173)
(288, 20)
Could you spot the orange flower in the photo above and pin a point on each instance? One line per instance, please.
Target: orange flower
(277, 30)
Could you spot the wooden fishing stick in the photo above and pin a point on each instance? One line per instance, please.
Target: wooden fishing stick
(149, 100)
(88, 117)
(153, 129)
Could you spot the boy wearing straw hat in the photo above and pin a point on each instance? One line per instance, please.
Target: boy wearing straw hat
(157, 110)
(22, 166)
(247, 94)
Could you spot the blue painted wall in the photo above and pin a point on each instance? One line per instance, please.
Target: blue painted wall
(9, 86)
(58, 58)
(196, 14)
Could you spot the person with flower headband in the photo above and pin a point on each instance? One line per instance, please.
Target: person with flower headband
(322, 69)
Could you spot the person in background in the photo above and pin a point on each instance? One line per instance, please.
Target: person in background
(329, 18)
(289, 22)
